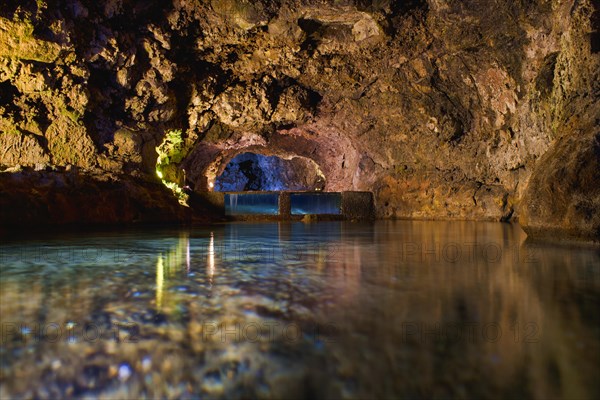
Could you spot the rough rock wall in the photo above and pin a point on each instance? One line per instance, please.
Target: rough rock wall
(563, 194)
(48, 198)
(443, 108)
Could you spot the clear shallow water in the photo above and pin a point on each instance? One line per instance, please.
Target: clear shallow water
(280, 310)
(252, 203)
(316, 203)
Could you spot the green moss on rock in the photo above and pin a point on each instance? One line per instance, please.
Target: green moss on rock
(17, 41)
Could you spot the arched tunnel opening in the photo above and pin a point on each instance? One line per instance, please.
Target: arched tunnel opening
(290, 176)
(257, 172)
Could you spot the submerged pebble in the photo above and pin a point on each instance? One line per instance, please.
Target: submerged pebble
(125, 372)
(212, 382)
(146, 363)
(55, 365)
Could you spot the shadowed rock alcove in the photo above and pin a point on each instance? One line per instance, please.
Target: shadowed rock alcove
(257, 172)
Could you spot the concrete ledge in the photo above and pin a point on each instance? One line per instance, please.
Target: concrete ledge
(358, 205)
(354, 205)
(214, 200)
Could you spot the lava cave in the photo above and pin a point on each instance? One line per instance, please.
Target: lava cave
(427, 164)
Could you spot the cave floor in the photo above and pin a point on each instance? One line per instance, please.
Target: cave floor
(300, 310)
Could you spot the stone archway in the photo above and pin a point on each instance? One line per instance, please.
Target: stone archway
(332, 152)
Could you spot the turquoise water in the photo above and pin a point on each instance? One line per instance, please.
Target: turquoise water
(316, 203)
(252, 204)
(292, 310)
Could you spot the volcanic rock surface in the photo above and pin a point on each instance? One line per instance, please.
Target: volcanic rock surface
(444, 109)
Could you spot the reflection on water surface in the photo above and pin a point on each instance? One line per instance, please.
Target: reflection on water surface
(326, 310)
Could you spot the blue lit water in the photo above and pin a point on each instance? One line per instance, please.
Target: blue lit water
(252, 204)
(291, 310)
(316, 203)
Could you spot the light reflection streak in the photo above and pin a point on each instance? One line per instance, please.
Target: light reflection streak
(160, 280)
(168, 266)
(187, 255)
(211, 258)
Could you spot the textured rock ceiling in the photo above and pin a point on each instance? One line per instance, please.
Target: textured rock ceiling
(442, 108)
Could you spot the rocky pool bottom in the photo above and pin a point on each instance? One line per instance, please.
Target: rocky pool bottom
(293, 310)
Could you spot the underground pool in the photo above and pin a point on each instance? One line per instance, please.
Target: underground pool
(292, 310)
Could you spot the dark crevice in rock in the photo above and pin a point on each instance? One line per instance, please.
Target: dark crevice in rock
(595, 34)
(43, 116)
(544, 82)
(314, 99)
(508, 216)
(43, 142)
(19, 8)
(106, 105)
(8, 94)
(313, 30)
(399, 8)
(399, 11)
(451, 109)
